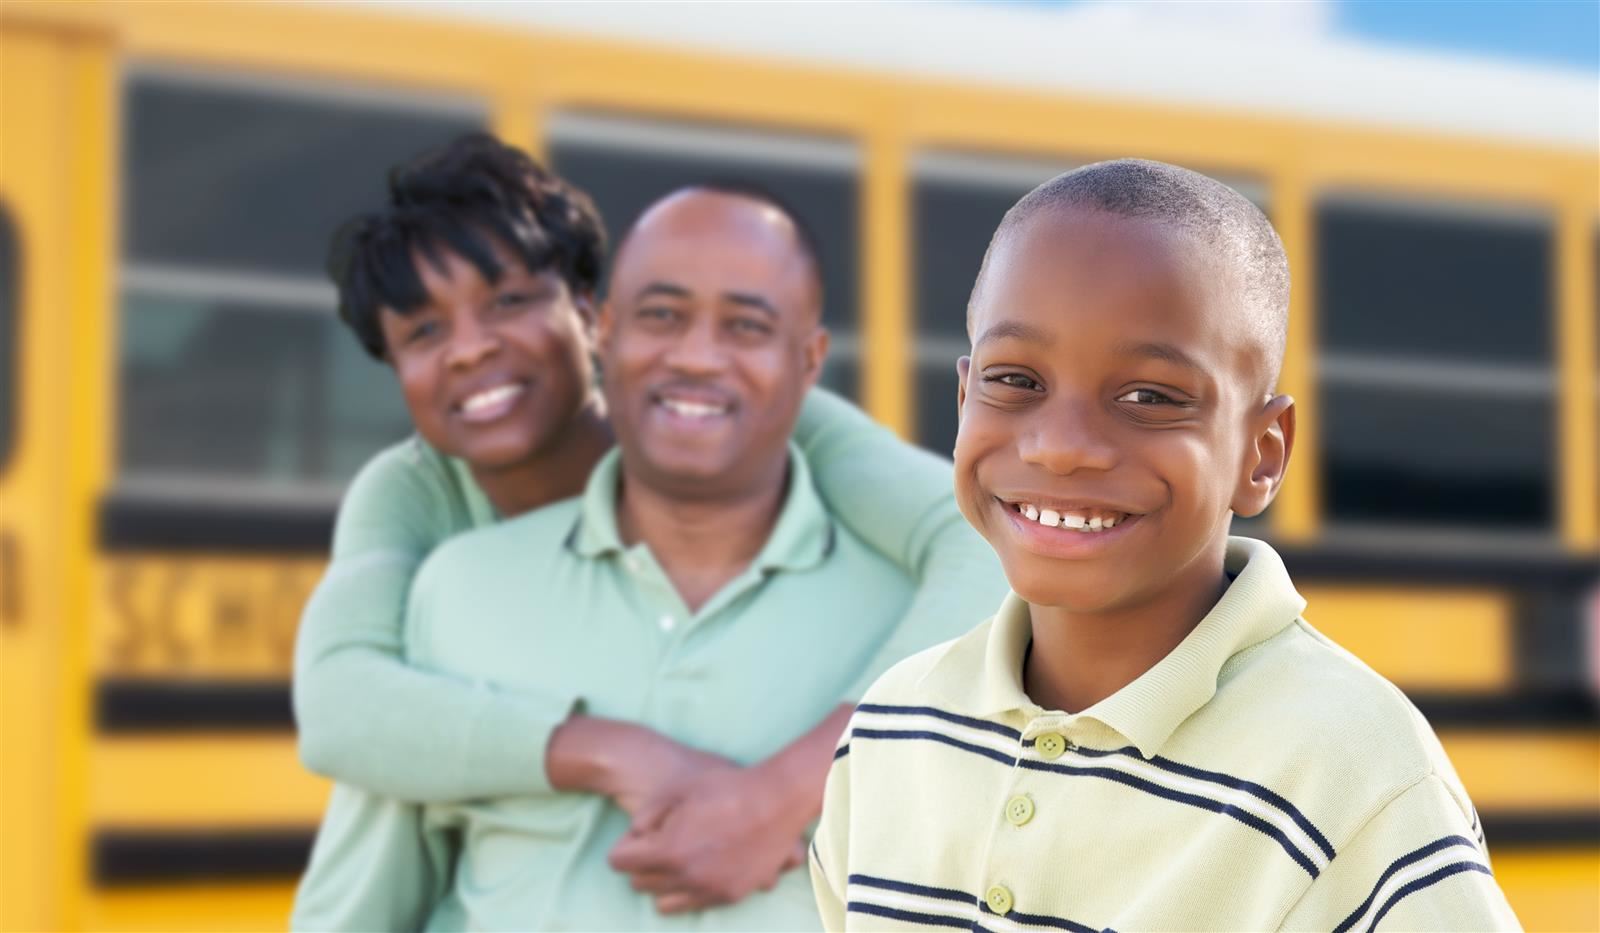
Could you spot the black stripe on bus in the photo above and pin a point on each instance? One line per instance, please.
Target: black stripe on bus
(136, 857)
(172, 523)
(1525, 710)
(137, 705)
(1541, 829)
(1372, 560)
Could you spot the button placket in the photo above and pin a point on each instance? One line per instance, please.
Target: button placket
(999, 899)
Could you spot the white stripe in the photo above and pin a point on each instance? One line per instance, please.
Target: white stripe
(932, 905)
(1215, 792)
(923, 723)
(1411, 873)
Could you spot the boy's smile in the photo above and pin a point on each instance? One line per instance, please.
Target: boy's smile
(1106, 411)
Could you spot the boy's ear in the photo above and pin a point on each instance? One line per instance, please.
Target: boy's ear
(963, 366)
(1267, 460)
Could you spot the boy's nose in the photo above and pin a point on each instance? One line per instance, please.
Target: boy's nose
(1065, 438)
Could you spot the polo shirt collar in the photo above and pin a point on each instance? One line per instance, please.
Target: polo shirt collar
(1258, 604)
(801, 538)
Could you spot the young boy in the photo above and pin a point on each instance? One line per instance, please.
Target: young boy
(1146, 735)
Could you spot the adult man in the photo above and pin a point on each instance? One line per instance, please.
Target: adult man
(698, 587)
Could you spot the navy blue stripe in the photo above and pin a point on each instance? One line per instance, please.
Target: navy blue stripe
(1039, 920)
(984, 724)
(1425, 881)
(1205, 803)
(841, 751)
(1226, 780)
(1394, 866)
(939, 737)
(962, 897)
(1259, 791)
(906, 887)
(909, 916)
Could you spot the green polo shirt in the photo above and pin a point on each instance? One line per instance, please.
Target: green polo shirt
(1257, 778)
(554, 601)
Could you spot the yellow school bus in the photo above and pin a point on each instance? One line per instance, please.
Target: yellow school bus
(179, 408)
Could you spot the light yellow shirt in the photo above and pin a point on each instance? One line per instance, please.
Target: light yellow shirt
(1259, 777)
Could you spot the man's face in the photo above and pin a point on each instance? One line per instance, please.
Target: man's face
(1111, 386)
(492, 373)
(708, 342)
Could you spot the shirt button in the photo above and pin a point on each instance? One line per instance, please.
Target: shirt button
(667, 623)
(998, 899)
(1050, 745)
(1019, 810)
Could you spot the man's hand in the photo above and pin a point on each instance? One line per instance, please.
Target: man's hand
(726, 834)
(635, 766)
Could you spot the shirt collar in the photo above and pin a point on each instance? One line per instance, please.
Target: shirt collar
(1259, 602)
(801, 538)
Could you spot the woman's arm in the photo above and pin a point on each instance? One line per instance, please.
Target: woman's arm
(364, 716)
(900, 500)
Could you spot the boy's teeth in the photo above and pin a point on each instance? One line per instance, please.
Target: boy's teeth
(1077, 521)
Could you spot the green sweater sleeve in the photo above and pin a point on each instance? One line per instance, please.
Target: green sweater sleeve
(899, 500)
(365, 717)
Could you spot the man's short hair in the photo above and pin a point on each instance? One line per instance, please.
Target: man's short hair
(810, 246)
(455, 198)
(1217, 216)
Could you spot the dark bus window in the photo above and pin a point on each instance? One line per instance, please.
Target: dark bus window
(232, 390)
(1436, 458)
(625, 164)
(10, 336)
(228, 175)
(1407, 281)
(233, 366)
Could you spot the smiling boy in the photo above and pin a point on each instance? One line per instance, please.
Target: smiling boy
(1146, 735)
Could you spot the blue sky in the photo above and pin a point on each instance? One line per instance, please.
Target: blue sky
(1563, 33)
(1553, 33)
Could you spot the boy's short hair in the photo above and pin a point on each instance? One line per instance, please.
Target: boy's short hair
(454, 198)
(1218, 216)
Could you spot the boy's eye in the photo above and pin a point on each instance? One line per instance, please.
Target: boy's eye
(1014, 380)
(1147, 397)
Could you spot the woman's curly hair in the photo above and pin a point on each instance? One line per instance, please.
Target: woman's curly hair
(454, 198)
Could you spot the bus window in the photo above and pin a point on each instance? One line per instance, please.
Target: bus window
(1435, 365)
(235, 376)
(625, 164)
(10, 335)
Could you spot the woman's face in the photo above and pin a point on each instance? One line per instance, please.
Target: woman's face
(493, 373)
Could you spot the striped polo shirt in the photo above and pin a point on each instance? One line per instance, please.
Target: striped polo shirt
(1258, 777)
